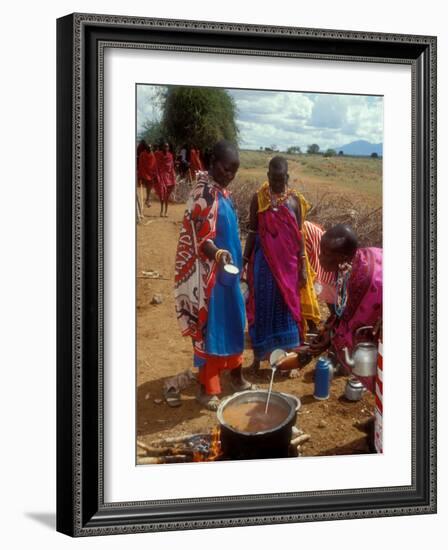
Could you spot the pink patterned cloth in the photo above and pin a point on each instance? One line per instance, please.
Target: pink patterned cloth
(280, 239)
(365, 301)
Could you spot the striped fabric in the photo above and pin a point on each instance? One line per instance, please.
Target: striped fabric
(379, 401)
(313, 235)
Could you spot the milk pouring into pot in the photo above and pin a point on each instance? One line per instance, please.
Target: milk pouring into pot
(274, 358)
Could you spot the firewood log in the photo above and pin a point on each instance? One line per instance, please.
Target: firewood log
(164, 451)
(165, 459)
(178, 439)
(301, 439)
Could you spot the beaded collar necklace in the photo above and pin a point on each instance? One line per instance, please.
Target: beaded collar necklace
(278, 199)
(343, 276)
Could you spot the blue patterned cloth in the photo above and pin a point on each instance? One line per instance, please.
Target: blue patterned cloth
(274, 326)
(226, 310)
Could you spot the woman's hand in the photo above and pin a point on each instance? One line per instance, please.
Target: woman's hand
(225, 258)
(321, 342)
(220, 255)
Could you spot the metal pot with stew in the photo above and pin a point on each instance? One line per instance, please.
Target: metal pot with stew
(247, 431)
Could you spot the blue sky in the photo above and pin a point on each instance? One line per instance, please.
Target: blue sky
(291, 118)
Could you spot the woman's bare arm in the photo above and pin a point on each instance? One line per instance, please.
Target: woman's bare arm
(301, 259)
(253, 228)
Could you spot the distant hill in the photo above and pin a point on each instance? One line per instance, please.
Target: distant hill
(361, 148)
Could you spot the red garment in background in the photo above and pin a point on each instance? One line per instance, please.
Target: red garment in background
(140, 148)
(167, 176)
(147, 167)
(196, 164)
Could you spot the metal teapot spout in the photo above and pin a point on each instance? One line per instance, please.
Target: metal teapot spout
(349, 360)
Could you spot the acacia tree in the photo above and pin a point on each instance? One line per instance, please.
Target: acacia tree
(199, 116)
(313, 149)
(153, 132)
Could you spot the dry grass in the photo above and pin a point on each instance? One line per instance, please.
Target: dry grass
(331, 208)
(340, 190)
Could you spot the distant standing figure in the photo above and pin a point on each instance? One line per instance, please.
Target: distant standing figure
(166, 177)
(138, 199)
(184, 165)
(196, 164)
(147, 171)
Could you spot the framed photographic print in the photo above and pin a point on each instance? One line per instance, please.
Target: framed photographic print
(246, 274)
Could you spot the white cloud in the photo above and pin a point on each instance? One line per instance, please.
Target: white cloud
(147, 104)
(291, 118)
(296, 118)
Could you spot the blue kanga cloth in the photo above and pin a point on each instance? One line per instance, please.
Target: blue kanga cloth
(226, 309)
(274, 326)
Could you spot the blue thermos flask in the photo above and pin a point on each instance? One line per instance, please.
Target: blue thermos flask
(322, 378)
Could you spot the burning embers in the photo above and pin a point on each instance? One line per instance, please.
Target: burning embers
(203, 447)
(206, 447)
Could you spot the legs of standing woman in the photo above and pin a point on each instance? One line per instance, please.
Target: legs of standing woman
(209, 374)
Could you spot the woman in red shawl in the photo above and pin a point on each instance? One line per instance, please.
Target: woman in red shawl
(167, 177)
(196, 164)
(146, 169)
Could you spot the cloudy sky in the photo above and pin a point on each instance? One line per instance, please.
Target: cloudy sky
(291, 118)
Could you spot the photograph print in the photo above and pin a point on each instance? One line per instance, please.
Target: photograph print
(258, 274)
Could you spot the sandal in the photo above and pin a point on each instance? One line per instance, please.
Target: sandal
(172, 396)
(210, 402)
(238, 382)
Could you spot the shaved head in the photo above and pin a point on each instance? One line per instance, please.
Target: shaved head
(338, 245)
(225, 162)
(278, 174)
(278, 164)
(225, 150)
(341, 238)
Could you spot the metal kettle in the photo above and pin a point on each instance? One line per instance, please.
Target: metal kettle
(364, 357)
(354, 390)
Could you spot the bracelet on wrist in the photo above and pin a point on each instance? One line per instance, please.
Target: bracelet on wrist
(218, 254)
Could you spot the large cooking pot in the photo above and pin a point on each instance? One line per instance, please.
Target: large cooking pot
(271, 443)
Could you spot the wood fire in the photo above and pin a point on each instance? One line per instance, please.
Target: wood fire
(203, 447)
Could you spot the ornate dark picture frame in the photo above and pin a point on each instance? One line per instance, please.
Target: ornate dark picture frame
(81, 509)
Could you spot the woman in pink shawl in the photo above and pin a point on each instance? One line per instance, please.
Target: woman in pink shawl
(359, 289)
(276, 269)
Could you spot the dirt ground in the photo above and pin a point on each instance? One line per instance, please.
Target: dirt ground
(163, 353)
